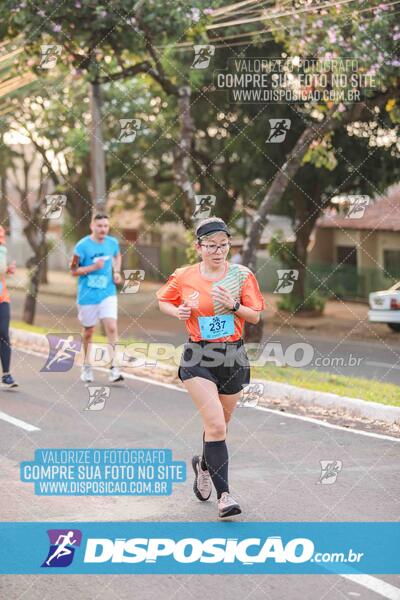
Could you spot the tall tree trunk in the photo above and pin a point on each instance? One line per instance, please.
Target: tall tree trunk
(275, 192)
(4, 214)
(306, 215)
(254, 333)
(35, 232)
(81, 217)
(182, 158)
(97, 150)
(45, 266)
(80, 204)
(226, 203)
(34, 266)
(358, 111)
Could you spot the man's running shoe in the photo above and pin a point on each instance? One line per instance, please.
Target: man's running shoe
(87, 374)
(202, 485)
(228, 506)
(8, 381)
(115, 375)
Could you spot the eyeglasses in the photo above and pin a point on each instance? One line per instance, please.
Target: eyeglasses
(212, 248)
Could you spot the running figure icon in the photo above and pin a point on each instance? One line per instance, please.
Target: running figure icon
(64, 349)
(62, 549)
(279, 129)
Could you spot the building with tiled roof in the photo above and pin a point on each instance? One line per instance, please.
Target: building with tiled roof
(363, 232)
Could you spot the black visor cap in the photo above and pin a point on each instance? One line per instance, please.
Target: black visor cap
(212, 227)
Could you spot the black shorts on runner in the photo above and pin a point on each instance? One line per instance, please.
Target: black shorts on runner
(224, 363)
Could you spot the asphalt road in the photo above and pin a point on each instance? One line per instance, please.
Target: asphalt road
(274, 469)
(140, 318)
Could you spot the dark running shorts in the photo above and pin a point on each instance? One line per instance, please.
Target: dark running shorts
(226, 364)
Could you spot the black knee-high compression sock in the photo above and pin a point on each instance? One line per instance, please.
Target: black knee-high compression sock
(203, 458)
(216, 455)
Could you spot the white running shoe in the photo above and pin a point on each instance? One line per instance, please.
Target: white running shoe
(228, 506)
(87, 374)
(115, 375)
(202, 485)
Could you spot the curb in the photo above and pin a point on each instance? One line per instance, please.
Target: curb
(354, 406)
(272, 389)
(29, 339)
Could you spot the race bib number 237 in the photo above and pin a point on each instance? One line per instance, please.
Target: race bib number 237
(216, 327)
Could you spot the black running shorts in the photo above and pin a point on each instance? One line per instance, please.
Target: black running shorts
(224, 363)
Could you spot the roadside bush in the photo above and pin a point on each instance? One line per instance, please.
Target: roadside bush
(314, 303)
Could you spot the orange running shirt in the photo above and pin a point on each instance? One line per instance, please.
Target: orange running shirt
(4, 297)
(187, 283)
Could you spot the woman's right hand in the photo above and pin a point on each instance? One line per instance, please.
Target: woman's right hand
(11, 268)
(184, 312)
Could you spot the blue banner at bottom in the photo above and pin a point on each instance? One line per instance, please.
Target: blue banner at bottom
(201, 548)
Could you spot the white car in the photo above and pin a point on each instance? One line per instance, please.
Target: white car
(385, 307)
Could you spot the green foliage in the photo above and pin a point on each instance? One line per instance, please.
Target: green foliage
(191, 254)
(281, 249)
(368, 36)
(313, 302)
(95, 35)
(321, 154)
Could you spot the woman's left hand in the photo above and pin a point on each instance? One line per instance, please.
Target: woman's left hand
(221, 294)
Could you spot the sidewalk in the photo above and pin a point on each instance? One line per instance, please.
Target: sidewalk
(60, 283)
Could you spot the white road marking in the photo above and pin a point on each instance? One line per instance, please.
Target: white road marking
(17, 422)
(376, 585)
(381, 364)
(379, 436)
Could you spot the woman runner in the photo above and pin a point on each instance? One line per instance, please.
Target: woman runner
(214, 298)
(5, 344)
